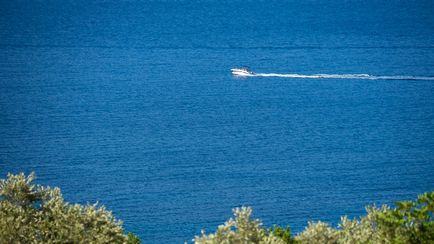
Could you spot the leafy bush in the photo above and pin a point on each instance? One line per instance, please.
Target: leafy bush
(241, 230)
(361, 230)
(318, 233)
(409, 222)
(34, 214)
(283, 233)
(132, 239)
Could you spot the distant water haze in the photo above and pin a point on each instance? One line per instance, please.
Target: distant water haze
(132, 104)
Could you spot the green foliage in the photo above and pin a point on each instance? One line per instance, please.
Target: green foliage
(361, 230)
(241, 230)
(318, 233)
(34, 214)
(409, 222)
(132, 239)
(283, 233)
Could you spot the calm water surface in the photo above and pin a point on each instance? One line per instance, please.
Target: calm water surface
(132, 104)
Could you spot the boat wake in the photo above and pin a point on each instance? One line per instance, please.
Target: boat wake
(346, 76)
(245, 72)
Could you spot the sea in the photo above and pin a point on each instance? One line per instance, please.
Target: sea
(132, 104)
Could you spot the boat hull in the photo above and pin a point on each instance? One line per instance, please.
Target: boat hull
(241, 72)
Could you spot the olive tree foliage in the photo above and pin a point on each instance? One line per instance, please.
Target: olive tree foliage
(32, 213)
(363, 230)
(318, 233)
(283, 233)
(241, 230)
(410, 222)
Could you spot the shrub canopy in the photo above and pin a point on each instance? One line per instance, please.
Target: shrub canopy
(409, 222)
(32, 213)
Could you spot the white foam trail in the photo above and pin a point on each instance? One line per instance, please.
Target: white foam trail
(346, 76)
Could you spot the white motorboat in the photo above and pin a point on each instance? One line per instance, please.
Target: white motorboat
(242, 72)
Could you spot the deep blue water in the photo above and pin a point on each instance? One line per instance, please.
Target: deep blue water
(132, 104)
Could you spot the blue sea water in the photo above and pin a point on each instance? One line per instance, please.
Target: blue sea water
(132, 104)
